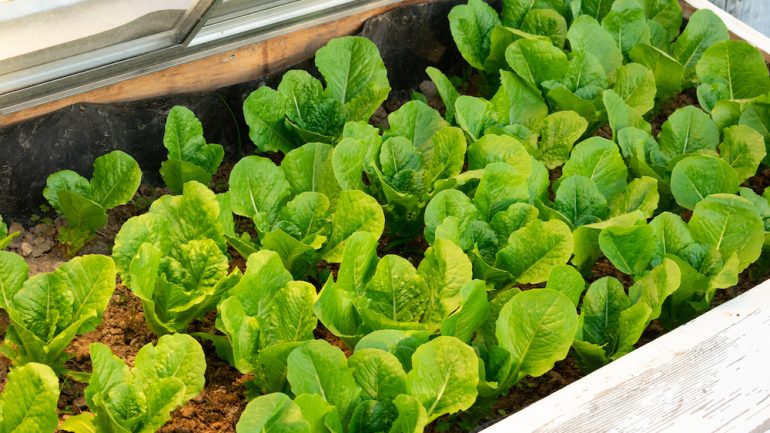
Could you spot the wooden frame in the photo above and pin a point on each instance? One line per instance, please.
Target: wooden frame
(274, 51)
(270, 52)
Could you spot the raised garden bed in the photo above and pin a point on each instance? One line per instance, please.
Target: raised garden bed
(396, 257)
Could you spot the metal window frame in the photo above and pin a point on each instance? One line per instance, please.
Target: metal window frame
(241, 29)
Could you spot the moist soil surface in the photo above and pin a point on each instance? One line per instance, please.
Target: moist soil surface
(218, 407)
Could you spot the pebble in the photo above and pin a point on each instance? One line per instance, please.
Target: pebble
(428, 88)
(26, 249)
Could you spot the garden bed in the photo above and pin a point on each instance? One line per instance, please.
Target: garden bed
(726, 270)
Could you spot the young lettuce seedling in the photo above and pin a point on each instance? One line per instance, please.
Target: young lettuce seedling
(48, 310)
(418, 156)
(29, 401)
(189, 156)
(525, 333)
(140, 399)
(173, 258)
(85, 203)
(389, 293)
(265, 316)
(298, 208)
(302, 111)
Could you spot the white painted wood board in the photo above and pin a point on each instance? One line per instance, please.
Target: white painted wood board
(710, 375)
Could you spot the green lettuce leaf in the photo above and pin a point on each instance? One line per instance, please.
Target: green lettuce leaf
(29, 401)
(704, 29)
(537, 328)
(443, 377)
(731, 70)
(586, 34)
(627, 24)
(731, 224)
(698, 176)
(471, 25)
(189, 156)
(534, 250)
(272, 413)
(355, 75)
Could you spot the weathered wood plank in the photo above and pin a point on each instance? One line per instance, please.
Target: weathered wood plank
(710, 375)
(273, 51)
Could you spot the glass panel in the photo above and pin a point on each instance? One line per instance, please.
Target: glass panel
(227, 9)
(36, 32)
(261, 15)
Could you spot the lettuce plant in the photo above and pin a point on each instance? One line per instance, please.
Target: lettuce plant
(301, 110)
(85, 203)
(189, 156)
(298, 209)
(173, 258)
(611, 321)
(525, 334)
(140, 399)
(723, 237)
(263, 318)
(5, 238)
(29, 401)
(370, 391)
(416, 155)
(48, 310)
(499, 225)
(372, 293)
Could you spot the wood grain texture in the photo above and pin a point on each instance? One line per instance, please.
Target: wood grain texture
(288, 47)
(708, 376)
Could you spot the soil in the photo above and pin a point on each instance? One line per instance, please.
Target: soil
(223, 399)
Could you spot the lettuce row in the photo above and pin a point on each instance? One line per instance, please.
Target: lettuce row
(189, 156)
(140, 399)
(85, 203)
(624, 55)
(369, 391)
(301, 110)
(48, 310)
(173, 258)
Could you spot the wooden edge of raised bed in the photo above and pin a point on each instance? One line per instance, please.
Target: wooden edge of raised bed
(272, 51)
(709, 375)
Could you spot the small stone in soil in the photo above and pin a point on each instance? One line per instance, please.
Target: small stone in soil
(26, 249)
